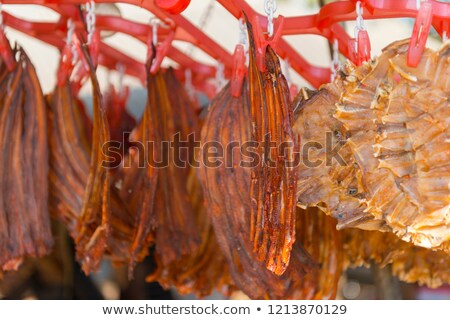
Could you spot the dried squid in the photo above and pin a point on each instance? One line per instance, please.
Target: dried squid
(393, 170)
(24, 221)
(274, 177)
(228, 202)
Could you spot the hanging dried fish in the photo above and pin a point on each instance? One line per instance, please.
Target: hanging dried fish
(71, 147)
(317, 232)
(204, 268)
(227, 197)
(395, 138)
(69, 156)
(408, 262)
(24, 221)
(274, 178)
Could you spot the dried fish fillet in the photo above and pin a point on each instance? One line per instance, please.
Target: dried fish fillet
(94, 224)
(274, 177)
(227, 197)
(318, 234)
(24, 221)
(391, 120)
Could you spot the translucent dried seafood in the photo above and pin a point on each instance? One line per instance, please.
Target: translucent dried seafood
(392, 122)
(319, 236)
(274, 177)
(227, 197)
(408, 262)
(24, 221)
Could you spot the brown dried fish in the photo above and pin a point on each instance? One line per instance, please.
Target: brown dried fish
(24, 221)
(94, 224)
(227, 196)
(274, 177)
(318, 234)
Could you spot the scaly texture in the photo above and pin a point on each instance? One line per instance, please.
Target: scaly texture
(274, 177)
(24, 221)
(393, 123)
(227, 196)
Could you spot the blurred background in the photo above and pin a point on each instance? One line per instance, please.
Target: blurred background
(44, 280)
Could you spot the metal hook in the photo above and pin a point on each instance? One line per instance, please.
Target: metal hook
(270, 7)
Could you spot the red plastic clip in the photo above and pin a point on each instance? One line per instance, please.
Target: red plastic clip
(363, 46)
(262, 42)
(420, 34)
(359, 50)
(293, 90)
(239, 71)
(94, 47)
(6, 51)
(173, 6)
(66, 65)
(161, 48)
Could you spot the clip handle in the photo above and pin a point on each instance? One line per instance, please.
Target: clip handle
(420, 34)
(239, 71)
(261, 41)
(363, 46)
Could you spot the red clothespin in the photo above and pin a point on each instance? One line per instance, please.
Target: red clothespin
(293, 90)
(6, 51)
(363, 46)
(161, 48)
(239, 71)
(94, 47)
(68, 53)
(261, 41)
(359, 47)
(5, 47)
(173, 6)
(420, 34)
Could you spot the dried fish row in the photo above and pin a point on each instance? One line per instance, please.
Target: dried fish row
(24, 221)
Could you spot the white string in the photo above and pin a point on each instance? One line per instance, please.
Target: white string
(243, 38)
(154, 23)
(90, 19)
(69, 39)
(359, 23)
(203, 22)
(270, 6)
(335, 65)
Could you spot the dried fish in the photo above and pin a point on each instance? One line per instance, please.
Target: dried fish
(227, 197)
(24, 221)
(274, 177)
(317, 232)
(395, 147)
